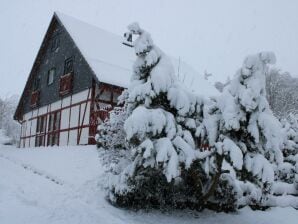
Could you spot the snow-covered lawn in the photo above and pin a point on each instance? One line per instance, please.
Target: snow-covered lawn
(62, 185)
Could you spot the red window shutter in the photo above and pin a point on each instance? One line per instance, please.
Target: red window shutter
(34, 99)
(66, 84)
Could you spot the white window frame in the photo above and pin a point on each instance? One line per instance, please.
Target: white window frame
(51, 76)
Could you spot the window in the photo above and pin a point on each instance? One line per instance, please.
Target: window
(35, 92)
(41, 125)
(51, 75)
(34, 98)
(36, 83)
(66, 84)
(55, 43)
(68, 66)
(115, 97)
(105, 95)
(40, 131)
(54, 127)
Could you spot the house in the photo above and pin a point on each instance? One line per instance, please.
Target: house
(76, 78)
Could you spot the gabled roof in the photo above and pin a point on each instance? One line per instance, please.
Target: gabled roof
(112, 62)
(41, 51)
(109, 59)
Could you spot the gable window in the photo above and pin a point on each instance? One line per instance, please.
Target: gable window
(51, 75)
(36, 83)
(35, 92)
(68, 66)
(55, 43)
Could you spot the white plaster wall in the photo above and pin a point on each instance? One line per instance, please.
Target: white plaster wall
(28, 128)
(74, 116)
(73, 137)
(22, 143)
(84, 136)
(33, 126)
(34, 113)
(24, 124)
(80, 96)
(56, 105)
(87, 113)
(64, 118)
(32, 142)
(42, 110)
(27, 143)
(66, 101)
(27, 115)
(63, 138)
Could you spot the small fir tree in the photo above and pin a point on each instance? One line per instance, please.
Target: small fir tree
(246, 136)
(289, 168)
(159, 129)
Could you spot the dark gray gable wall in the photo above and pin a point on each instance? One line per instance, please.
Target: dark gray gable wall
(83, 75)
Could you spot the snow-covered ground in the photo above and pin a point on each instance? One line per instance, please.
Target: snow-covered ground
(62, 185)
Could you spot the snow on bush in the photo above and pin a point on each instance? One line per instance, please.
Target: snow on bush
(111, 132)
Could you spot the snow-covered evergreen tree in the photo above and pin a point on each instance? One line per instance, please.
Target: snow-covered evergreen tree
(160, 129)
(246, 136)
(289, 168)
(287, 173)
(10, 127)
(282, 94)
(187, 151)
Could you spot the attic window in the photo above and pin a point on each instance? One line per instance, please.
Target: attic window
(36, 83)
(68, 66)
(51, 75)
(55, 43)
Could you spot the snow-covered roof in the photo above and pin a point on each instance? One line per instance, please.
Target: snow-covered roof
(193, 80)
(112, 61)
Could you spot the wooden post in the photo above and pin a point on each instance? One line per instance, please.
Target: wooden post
(81, 127)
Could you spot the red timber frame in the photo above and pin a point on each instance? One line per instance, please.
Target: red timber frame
(56, 130)
(101, 106)
(101, 97)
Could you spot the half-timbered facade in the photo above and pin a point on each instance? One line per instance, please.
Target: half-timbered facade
(72, 84)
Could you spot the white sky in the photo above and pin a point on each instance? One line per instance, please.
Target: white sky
(213, 35)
